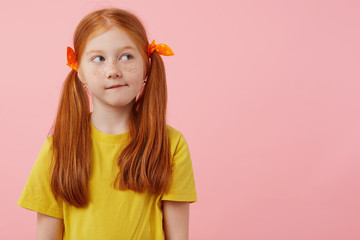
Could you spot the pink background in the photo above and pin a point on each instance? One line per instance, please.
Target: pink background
(267, 94)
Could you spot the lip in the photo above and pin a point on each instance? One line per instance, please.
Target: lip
(116, 86)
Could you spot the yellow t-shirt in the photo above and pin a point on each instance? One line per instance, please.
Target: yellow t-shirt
(111, 214)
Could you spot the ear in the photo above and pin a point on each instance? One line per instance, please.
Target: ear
(147, 69)
(81, 77)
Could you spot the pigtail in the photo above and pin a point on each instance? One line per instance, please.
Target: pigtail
(145, 162)
(72, 144)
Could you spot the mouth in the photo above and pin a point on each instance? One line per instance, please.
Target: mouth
(116, 86)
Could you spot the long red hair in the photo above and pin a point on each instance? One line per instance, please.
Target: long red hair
(144, 164)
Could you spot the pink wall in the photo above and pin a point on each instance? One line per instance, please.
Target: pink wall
(267, 94)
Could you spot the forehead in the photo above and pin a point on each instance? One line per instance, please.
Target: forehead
(114, 38)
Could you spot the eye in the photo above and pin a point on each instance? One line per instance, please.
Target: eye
(97, 57)
(126, 57)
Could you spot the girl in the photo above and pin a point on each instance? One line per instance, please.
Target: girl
(118, 172)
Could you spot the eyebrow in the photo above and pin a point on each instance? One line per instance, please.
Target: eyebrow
(121, 49)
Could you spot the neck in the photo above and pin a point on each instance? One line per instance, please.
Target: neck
(111, 120)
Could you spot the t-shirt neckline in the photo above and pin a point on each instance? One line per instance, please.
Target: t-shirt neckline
(105, 137)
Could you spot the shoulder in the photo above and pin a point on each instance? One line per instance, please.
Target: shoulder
(47, 146)
(44, 157)
(174, 135)
(48, 141)
(177, 139)
(182, 184)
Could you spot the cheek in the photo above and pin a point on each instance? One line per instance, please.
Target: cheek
(133, 70)
(93, 79)
(135, 73)
(95, 75)
(129, 69)
(98, 73)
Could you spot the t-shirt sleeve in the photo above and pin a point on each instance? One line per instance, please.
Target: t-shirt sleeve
(37, 195)
(182, 183)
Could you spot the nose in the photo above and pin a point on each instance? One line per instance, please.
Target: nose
(113, 70)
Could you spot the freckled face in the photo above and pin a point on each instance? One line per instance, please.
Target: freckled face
(112, 68)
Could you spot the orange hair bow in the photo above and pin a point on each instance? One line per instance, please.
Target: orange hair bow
(71, 59)
(161, 48)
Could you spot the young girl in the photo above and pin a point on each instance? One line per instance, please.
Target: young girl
(118, 172)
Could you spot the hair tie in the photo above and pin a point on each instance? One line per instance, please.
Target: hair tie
(161, 48)
(71, 59)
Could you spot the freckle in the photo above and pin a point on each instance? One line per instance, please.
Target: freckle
(127, 69)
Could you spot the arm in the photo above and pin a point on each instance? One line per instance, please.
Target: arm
(176, 220)
(48, 228)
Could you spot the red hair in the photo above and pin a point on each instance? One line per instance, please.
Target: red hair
(144, 164)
